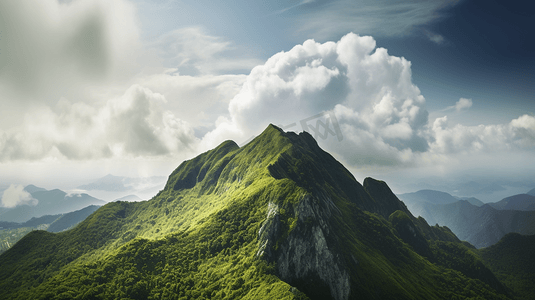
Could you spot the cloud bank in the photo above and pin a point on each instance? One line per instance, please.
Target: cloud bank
(92, 46)
(15, 195)
(380, 113)
(52, 49)
(132, 125)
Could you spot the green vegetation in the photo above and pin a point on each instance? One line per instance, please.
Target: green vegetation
(513, 262)
(8, 237)
(199, 238)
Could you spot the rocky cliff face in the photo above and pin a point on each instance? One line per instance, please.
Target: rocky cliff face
(305, 257)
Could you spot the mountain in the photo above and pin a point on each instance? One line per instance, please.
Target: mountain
(71, 219)
(129, 198)
(473, 201)
(516, 202)
(431, 196)
(421, 201)
(32, 188)
(513, 262)
(106, 183)
(51, 202)
(481, 226)
(435, 197)
(278, 218)
(476, 188)
(11, 232)
(33, 222)
(113, 183)
(531, 192)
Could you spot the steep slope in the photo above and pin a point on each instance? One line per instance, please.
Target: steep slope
(276, 219)
(513, 262)
(516, 202)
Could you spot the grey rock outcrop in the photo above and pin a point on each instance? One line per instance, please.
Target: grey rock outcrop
(305, 258)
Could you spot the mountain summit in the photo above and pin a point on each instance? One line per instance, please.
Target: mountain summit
(278, 218)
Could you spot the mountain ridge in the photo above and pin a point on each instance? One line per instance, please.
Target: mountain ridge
(515, 202)
(482, 225)
(276, 218)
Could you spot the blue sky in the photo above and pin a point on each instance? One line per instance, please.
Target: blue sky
(435, 89)
(484, 50)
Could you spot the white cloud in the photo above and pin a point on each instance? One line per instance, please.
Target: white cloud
(434, 37)
(52, 49)
(199, 100)
(132, 125)
(89, 52)
(381, 113)
(15, 195)
(518, 135)
(463, 104)
(368, 89)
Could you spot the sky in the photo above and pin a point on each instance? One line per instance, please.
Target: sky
(418, 93)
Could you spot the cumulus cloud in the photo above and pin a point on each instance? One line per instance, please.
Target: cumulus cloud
(463, 104)
(519, 134)
(89, 51)
(15, 195)
(132, 125)
(369, 90)
(381, 114)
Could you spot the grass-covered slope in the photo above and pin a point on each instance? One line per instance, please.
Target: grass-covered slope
(276, 219)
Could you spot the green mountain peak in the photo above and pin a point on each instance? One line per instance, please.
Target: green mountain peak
(278, 218)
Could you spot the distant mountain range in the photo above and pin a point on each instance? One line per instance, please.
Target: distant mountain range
(516, 202)
(278, 218)
(69, 220)
(56, 223)
(113, 183)
(49, 202)
(480, 224)
(129, 198)
(11, 232)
